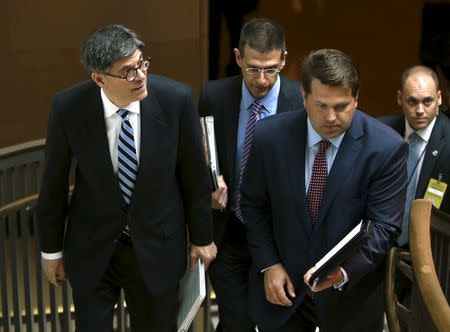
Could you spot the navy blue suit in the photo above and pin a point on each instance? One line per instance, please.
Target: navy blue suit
(367, 180)
(229, 272)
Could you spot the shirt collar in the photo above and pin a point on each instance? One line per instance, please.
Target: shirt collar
(110, 108)
(269, 101)
(424, 133)
(314, 138)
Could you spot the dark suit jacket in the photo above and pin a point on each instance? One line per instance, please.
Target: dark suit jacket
(367, 179)
(222, 99)
(172, 187)
(437, 154)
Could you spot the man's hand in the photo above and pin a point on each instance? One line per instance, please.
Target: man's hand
(220, 196)
(276, 280)
(205, 253)
(54, 270)
(336, 277)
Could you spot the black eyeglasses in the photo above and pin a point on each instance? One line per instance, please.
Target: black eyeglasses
(131, 73)
(266, 71)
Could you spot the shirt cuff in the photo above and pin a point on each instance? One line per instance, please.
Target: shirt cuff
(55, 255)
(340, 286)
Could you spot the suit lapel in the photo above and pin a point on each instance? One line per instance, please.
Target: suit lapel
(97, 140)
(346, 157)
(153, 144)
(285, 102)
(230, 128)
(297, 171)
(433, 150)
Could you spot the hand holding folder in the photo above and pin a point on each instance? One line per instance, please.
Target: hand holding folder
(191, 295)
(207, 125)
(330, 263)
(220, 195)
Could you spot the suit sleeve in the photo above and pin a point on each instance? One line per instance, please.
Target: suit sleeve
(203, 108)
(51, 209)
(255, 207)
(193, 175)
(385, 206)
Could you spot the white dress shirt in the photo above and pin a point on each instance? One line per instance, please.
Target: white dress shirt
(425, 134)
(113, 123)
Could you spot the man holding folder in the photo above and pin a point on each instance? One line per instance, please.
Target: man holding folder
(311, 178)
(237, 103)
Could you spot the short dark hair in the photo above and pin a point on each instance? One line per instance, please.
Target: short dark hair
(107, 45)
(331, 67)
(419, 69)
(262, 35)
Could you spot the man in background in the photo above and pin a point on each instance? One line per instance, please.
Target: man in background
(311, 177)
(140, 178)
(428, 134)
(236, 104)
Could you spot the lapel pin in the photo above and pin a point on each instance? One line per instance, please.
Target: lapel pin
(434, 153)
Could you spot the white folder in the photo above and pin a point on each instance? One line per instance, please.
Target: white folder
(191, 295)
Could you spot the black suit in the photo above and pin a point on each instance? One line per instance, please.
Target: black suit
(437, 155)
(171, 191)
(228, 272)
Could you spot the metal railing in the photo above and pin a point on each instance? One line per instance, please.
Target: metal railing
(28, 302)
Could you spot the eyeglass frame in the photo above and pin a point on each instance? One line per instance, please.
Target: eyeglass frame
(266, 71)
(140, 67)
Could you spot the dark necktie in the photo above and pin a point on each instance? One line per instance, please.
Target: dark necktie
(412, 167)
(317, 186)
(127, 163)
(255, 112)
(318, 180)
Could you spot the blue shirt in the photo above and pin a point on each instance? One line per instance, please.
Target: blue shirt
(312, 142)
(269, 102)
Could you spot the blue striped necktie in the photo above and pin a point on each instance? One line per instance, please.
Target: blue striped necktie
(127, 163)
(255, 114)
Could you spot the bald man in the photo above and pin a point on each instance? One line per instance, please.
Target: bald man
(420, 99)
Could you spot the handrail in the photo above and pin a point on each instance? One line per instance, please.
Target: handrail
(424, 269)
(18, 204)
(22, 147)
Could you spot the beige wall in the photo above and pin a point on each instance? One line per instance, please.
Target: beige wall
(40, 49)
(381, 36)
(40, 42)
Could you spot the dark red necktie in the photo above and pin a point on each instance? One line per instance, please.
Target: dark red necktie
(317, 186)
(318, 180)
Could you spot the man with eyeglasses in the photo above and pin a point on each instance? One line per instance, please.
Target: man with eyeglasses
(140, 179)
(236, 104)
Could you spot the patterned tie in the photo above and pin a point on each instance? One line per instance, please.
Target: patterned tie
(317, 186)
(415, 142)
(318, 180)
(127, 163)
(255, 112)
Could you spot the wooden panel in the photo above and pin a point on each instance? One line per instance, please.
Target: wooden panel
(41, 43)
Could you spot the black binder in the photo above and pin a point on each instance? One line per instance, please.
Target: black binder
(341, 251)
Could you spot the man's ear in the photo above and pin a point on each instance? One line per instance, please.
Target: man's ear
(283, 60)
(98, 79)
(399, 97)
(238, 57)
(304, 95)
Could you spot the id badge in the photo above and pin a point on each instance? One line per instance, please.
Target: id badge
(435, 192)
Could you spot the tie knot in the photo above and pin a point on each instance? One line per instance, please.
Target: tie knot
(123, 113)
(324, 145)
(414, 138)
(257, 106)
